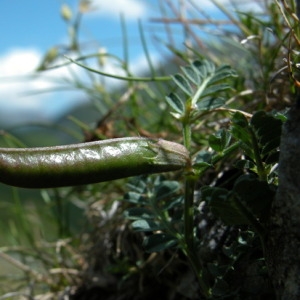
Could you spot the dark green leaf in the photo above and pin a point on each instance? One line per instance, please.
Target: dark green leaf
(145, 225)
(244, 164)
(197, 65)
(220, 140)
(240, 130)
(240, 120)
(241, 134)
(281, 116)
(159, 242)
(178, 201)
(270, 146)
(223, 205)
(214, 89)
(166, 189)
(211, 103)
(200, 167)
(216, 270)
(220, 288)
(202, 162)
(136, 198)
(137, 184)
(248, 150)
(221, 74)
(204, 156)
(256, 194)
(267, 129)
(201, 68)
(175, 102)
(183, 84)
(272, 158)
(136, 213)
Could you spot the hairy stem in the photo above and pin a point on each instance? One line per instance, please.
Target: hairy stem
(189, 247)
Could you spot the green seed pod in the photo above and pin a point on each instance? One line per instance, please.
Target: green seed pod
(85, 163)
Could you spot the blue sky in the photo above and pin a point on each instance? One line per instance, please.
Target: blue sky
(29, 28)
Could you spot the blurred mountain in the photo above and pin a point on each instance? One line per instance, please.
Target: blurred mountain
(60, 131)
(64, 130)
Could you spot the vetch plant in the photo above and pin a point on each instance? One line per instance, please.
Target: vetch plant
(118, 158)
(198, 86)
(252, 146)
(111, 159)
(212, 218)
(163, 209)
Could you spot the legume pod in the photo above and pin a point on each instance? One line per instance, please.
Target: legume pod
(85, 163)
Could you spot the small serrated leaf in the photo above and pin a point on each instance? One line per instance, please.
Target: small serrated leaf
(175, 102)
(267, 129)
(256, 194)
(183, 84)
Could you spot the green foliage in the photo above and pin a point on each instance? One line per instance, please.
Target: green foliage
(157, 206)
(250, 199)
(220, 140)
(198, 84)
(260, 139)
(208, 222)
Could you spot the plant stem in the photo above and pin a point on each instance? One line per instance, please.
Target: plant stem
(189, 213)
(189, 247)
(127, 78)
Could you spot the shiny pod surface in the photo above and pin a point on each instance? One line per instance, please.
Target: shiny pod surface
(85, 163)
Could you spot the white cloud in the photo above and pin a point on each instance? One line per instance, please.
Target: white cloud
(14, 65)
(18, 62)
(210, 7)
(22, 96)
(22, 92)
(131, 9)
(140, 65)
